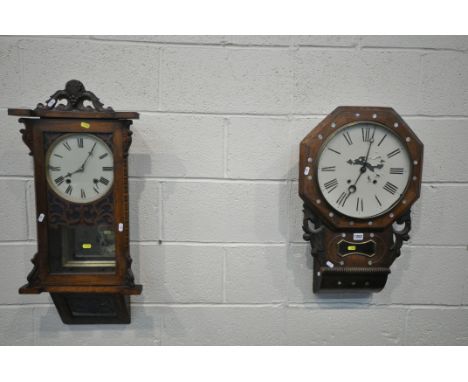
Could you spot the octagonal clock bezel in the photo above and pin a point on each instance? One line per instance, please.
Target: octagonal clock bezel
(311, 147)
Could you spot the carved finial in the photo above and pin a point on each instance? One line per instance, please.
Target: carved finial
(75, 94)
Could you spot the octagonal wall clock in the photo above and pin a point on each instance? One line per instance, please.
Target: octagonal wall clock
(80, 154)
(359, 174)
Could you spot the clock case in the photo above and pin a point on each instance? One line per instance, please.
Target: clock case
(93, 296)
(374, 243)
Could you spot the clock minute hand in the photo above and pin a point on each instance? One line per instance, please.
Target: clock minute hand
(362, 170)
(86, 160)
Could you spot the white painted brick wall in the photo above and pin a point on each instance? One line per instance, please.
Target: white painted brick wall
(215, 216)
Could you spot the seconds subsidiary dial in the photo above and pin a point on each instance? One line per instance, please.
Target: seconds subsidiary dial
(363, 170)
(80, 167)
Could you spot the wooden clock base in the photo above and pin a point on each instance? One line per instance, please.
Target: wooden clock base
(350, 260)
(92, 308)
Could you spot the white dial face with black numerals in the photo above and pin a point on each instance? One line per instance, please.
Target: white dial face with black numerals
(363, 170)
(80, 167)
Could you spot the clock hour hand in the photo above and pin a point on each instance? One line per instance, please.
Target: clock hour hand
(360, 162)
(362, 170)
(82, 167)
(69, 174)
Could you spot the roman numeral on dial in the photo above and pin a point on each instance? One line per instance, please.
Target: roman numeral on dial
(103, 156)
(360, 204)
(336, 152)
(80, 142)
(58, 181)
(104, 181)
(83, 194)
(382, 139)
(366, 134)
(378, 200)
(390, 187)
(67, 145)
(54, 168)
(107, 168)
(348, 138)
(69, 190)
(331, 185)
(341, 201)
(396, 170)
(329, 168)
(393, 153)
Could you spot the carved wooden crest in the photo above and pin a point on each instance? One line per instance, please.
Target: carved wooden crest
(76, 95)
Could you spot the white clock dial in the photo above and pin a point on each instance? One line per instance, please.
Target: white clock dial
(80, 167)
(363, 170)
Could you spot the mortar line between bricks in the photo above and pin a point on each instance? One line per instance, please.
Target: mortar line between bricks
(160, 61)
(233, 45)
(28, 212)
(234, 244)
(324, 304)
(460, 246)
(226, 126)
(414, 49)
(162, 305)
(224, 275)
(280, 305)
(284, 116)
(405, 328)
(224, 180)
(211, 180)
(161, 212)
(211, 243)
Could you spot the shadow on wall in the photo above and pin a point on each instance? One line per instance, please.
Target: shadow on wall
(149, 266)
(51, 330)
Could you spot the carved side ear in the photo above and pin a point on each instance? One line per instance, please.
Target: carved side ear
(26, 134)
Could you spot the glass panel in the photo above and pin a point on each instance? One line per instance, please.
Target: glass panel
(82, 248)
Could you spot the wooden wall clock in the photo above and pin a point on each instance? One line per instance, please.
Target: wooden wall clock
(80, 154)
(360, 172)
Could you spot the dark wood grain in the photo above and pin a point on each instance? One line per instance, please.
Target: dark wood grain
(310, 147)
(72, 288)
(325, 227)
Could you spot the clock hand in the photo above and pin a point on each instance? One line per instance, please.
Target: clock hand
(82, 167)
(69, 174)
(362, 170)
(377, 166)
(359, 161)
(89, 155)
(368, 150)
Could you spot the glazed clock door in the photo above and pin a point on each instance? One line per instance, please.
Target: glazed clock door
(80, 179)
(82, 185)
(79, 170)
(80, 151)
